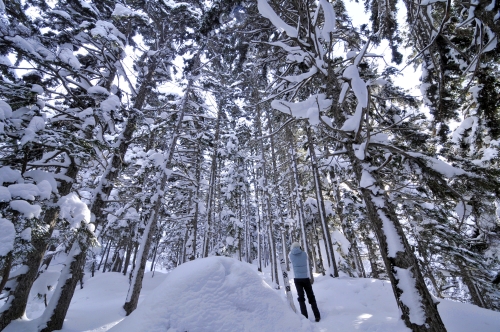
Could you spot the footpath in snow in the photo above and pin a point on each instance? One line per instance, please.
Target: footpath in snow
(223, 294)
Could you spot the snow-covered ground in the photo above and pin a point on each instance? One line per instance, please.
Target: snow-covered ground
(223, 294)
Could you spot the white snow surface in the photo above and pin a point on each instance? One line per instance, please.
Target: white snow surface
(218, 294)
(29, 211)
(24, 190)
(7, 236)
(121, 10)
(37, 89)
(98, 90)
(66, 55)
(394, 243)
(307, 109)
(410, 297)
(357, 84)
(40, 176)
(5, 110)
(266, 11)
(108, 31)
(73, 210)
(346, 304)
(5, 195)
(439, 166)
(112, 103)
(9, 175)
(330, 17)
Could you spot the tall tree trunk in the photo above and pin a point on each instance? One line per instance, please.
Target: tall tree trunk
(155, 251)
(247, 230)
(316, 247)
(114, 168)
(106, 260)
(299, 199)
(259, 222)
(211, 187)
(138, 273)
(193, 227)
(321, 205)
(4, 273)
(34, 257)
(348, 231)
(419, 314)
(142, 256)
(55, 313)
(128, 253)
(267, 201)
(372, 257)
(104, 254)
(474, 291)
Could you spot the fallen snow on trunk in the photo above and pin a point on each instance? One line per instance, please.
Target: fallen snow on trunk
(213, 294)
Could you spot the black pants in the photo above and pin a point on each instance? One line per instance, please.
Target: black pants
(304, 285)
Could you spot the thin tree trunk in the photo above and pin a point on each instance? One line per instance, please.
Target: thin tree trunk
(106, 260)
(267, 198)
(114, 167)
(193, 229)
(372, 257)
(247, 230)
(136, 249)
(104, 254)
(299, 199)
(128, 254)
(357, 259)
(319, 266)
(158, 238)
(259, 222)
(211, 187)
(138, 274)
(118, 259)
(348, 231)
(321, 206)
(474, 292)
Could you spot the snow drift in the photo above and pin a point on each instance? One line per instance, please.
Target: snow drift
(213, 294)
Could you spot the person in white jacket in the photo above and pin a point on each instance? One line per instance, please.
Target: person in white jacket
(302, 280)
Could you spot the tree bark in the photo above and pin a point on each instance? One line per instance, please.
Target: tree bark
(169, 148)
(138, 274)
(401, 264)
(321, 205)
(34, 257)
(299, 199)
(211, 188)
(267, 201)
(55, 313)
(259, 226)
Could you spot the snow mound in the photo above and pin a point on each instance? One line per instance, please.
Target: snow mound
(213, 294)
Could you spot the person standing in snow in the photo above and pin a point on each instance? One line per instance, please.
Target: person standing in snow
(302, 280)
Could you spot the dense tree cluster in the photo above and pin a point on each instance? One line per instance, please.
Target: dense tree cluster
(136, 134)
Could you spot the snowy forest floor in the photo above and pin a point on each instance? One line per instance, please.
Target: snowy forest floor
(222, 294)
